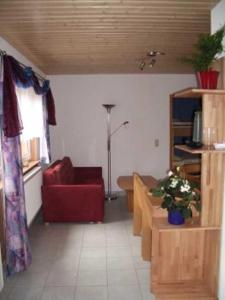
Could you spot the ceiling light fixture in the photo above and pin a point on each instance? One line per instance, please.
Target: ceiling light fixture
(150, 59)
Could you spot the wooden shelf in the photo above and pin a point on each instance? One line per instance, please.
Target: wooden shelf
(197, 93)
(190, 224)
(182, 131)
(203, 149)
(193, 290)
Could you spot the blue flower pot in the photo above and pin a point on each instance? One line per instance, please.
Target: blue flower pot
(175, 217)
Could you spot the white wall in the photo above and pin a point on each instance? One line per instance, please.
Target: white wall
(141, 99)
(10, 50)
(218, 19)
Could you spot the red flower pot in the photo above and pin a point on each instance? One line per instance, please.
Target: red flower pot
(207, 79)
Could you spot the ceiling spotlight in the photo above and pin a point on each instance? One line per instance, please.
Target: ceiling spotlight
(153, 53)
(149, 59)
(141, 65)
(152, 62)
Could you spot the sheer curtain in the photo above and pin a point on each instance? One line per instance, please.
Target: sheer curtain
(33, 119)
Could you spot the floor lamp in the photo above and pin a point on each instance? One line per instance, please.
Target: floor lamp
(108, 108)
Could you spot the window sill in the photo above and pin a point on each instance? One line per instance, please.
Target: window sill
(32, 164)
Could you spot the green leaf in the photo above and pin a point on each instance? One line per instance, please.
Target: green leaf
(207, 47)
(197, 206)
(186, 212)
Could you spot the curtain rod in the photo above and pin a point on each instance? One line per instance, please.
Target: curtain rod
(2, 53)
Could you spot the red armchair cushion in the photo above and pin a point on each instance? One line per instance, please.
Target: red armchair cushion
(65, 171)
(50, 175)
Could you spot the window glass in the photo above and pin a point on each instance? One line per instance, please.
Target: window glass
(33, 138)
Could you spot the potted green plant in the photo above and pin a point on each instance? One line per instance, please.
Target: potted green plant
(179, 195)
(208, 47)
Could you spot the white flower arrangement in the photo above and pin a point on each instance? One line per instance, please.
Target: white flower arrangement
(178, 194)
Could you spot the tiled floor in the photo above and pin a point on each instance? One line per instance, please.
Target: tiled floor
(84, 262)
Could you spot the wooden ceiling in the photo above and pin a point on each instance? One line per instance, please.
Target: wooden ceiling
(104, 36)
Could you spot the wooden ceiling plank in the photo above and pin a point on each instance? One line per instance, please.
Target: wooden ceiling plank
(96, 36)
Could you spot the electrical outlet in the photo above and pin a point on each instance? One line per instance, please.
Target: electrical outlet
(156, 142)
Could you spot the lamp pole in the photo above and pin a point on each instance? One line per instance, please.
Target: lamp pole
(108, 108)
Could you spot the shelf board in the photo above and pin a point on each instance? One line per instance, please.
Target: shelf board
(190, 224)
(193, 290)
(197, 93)
(203, 149)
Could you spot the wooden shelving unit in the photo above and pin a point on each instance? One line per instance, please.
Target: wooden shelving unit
(185, 259)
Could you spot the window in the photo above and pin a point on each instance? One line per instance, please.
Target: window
(33, 140)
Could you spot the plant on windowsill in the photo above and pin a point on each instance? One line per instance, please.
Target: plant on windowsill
(179, 196)
(208, 47)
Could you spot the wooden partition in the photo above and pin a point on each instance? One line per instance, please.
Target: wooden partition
(145, 208)
(185, 259)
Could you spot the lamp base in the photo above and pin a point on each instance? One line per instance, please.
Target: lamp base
(110, 197)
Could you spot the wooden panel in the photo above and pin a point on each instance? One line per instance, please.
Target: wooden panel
(214, 115)
(176, 249)
(191, 255)
(145, 208)
(150, 209)
(137, 216)
(94, 36)
(184, 263)
(211, 259)
(213, 167)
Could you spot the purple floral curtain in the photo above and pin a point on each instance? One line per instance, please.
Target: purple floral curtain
(18, 254)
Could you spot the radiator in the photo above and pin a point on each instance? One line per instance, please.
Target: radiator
(32, 187)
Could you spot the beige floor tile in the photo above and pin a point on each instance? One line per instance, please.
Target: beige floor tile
(25, 293)
(122, 277)
(93, 252)
(129, 292)
(118, 251)
(61, 278)
(91, 264)
(32, 279)
(91, 293)
(58, 293)
(116, 263)
(92, 278)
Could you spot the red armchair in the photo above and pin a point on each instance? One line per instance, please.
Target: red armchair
(72, 193)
